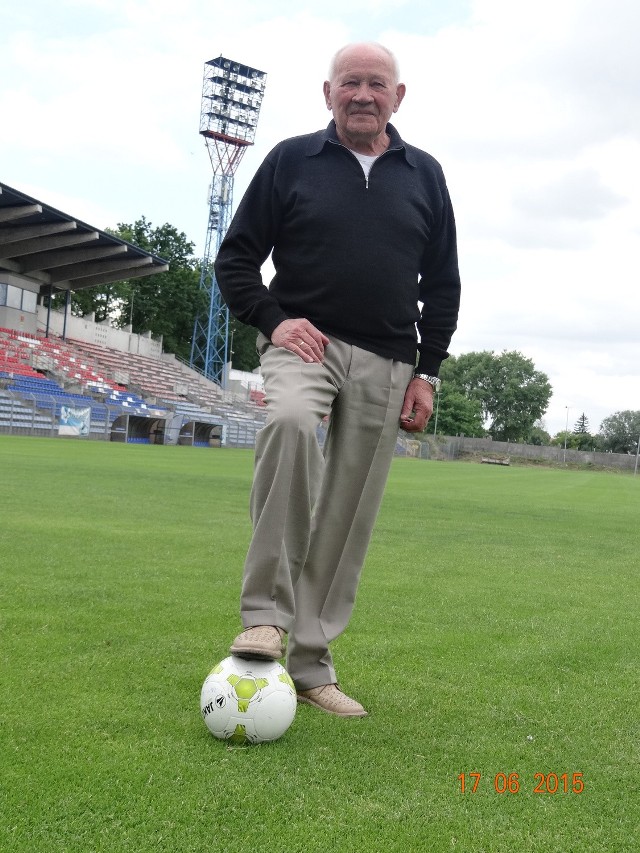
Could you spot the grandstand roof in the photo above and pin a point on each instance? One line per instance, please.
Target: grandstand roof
(48, 247)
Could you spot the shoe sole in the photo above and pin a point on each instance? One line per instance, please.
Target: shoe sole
(304, 700)
(255, 654)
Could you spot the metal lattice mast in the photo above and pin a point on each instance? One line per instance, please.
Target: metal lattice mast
(232, 94)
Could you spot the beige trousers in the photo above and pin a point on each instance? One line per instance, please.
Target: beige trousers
(313, 510)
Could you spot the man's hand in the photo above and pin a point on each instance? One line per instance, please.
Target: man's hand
(417, 407)
(302, 338)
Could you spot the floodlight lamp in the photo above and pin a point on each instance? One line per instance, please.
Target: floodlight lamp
(231, 99)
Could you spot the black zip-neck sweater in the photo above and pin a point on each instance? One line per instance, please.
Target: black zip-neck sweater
(353, 255)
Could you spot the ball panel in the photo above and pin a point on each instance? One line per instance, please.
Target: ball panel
(248, 701)
(275, 715)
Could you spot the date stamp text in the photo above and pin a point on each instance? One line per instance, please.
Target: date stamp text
(515, 783)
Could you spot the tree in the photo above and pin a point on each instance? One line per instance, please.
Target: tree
(581, 430)
(620, 432)
(104, 301)
(244, 355)
(566, 439)
(512, 394)
(582, 425)
(539, 435)
(457, 414)
(165, 304)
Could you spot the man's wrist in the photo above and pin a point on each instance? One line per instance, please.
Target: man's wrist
(432, 380)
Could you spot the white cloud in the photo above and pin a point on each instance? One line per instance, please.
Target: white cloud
(579, 194)
(534, 112)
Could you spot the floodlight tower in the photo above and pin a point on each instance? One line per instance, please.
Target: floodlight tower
(232, 94)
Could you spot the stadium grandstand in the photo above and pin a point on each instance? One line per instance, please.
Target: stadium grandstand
(64, 375)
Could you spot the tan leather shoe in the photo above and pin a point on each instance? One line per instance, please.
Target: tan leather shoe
(331, 699)
(264, 642)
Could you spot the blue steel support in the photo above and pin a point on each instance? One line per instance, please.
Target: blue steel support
(210, 345)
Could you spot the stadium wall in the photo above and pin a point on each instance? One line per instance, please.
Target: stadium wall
(445, 447)
(86, 329)
(18, 303)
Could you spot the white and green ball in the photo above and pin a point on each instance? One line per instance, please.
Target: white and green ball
(248, 701)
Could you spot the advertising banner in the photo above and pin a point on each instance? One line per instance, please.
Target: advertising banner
(74, 421)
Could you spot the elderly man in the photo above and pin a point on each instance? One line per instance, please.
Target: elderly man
(362, 230)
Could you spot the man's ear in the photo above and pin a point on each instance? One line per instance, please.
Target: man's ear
(401, 91)
(326, 88)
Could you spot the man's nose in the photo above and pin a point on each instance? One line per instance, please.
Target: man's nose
(363, 93)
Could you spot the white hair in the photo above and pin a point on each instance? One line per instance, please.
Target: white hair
(372, 44)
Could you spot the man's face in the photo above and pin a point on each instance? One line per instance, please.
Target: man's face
(363, 95)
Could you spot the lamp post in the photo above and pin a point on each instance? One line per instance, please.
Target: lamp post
(232, 94)
(566, 432)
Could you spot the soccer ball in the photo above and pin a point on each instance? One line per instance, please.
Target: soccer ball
(248, 701)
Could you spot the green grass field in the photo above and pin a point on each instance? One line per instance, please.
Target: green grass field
(496, 632)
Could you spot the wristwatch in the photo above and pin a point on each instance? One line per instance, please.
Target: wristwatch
(432, 380)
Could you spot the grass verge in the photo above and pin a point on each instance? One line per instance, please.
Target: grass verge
(496, 632)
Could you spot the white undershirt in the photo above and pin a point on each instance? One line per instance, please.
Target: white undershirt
(365, 160)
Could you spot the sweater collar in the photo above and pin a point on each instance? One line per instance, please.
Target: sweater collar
(318, 140)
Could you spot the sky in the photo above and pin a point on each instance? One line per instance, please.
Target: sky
(533, 110)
